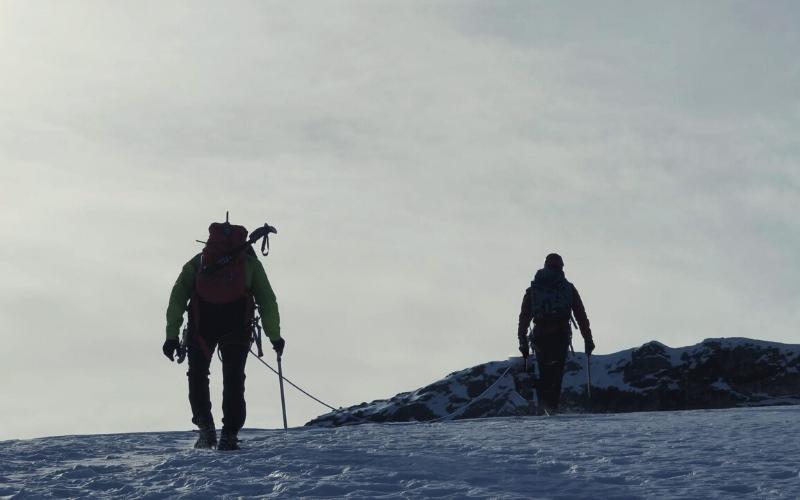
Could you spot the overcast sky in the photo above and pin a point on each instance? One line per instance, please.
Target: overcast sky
(419, 160)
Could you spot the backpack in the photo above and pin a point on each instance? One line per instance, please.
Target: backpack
(552, 296)
(226, 283)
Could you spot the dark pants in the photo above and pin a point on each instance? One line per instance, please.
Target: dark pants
(551, 343)
(234, 347)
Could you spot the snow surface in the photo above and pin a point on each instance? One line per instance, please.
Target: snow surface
(734, 453)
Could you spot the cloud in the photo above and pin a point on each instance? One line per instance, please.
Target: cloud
(418, 161)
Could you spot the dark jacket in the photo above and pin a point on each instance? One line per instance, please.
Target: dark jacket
(526, 315)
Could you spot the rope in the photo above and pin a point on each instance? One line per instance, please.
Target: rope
(290, 382)
(446, 417)
(449, 416)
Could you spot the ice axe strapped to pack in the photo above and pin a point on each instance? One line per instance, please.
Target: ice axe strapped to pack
(262, 233)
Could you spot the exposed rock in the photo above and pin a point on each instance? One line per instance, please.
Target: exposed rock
(717, 373)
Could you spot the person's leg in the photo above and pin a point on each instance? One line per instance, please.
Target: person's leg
(234, 409)
(199, 353)
(199, 358)
(544, 385)
(551, 350)
(559, 359)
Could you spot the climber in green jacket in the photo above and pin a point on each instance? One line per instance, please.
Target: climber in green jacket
(255, 280)
(221, 309)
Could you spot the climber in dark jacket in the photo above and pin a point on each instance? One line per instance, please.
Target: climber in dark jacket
(550, 302)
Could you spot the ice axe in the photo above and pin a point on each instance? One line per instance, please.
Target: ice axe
(283, 398)
(262, 233)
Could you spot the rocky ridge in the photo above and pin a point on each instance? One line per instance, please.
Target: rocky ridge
(717, 373)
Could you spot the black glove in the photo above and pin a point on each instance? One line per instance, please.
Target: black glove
(278, 345)
(525, 350)
(588, 345)
(170, 348)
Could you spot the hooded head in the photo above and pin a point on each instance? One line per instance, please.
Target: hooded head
(554, 262)
(553, 271)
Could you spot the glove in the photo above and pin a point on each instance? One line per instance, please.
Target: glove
(278, 345)
(525, 350)
(170, 348)
(588, 345)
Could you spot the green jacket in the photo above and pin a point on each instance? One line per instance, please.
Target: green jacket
(256, 281)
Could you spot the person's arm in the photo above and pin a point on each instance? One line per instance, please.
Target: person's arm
(580, 314)
(525, 317)
(181, 293)
(583, 320)
(265, 298)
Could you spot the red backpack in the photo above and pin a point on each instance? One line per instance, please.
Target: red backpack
(221, 276)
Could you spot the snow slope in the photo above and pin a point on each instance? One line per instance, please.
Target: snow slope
(734, 453)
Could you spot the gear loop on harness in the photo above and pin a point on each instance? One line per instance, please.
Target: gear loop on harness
(256, 332)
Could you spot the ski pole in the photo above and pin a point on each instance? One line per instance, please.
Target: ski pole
(283, 399)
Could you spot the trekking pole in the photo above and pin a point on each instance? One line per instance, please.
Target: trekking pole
(283, 399)
(534, 385)
(589, 378)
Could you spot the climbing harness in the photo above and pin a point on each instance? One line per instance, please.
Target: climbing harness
(255, 327)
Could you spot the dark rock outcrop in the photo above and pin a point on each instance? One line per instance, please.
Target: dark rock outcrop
(717, 373)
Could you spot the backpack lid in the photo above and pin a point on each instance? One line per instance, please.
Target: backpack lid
(223, 238)
(226, 282)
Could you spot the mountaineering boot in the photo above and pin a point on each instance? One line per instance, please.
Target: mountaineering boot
(207, 438)
(228, 440)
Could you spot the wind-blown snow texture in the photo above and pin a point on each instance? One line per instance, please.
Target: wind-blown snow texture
(736, 453)
(717, 373)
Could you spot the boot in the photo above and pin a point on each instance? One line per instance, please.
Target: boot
(208, 436)
(228, 440)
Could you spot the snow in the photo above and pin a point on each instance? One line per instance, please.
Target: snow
(607, 371)
(742, 452)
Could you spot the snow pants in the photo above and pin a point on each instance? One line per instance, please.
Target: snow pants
(210, 328)
(550, 343)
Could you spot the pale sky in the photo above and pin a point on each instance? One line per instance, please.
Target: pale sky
(419, 160)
